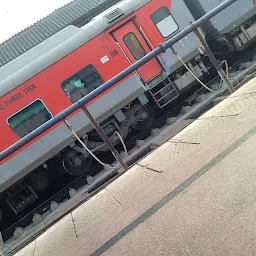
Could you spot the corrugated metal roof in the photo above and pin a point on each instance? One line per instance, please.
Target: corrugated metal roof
(77, 13)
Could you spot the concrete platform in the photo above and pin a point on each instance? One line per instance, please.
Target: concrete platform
(194, 195)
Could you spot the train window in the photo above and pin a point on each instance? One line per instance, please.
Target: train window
(134, 46)
(164, 21)
(29, 118)
(82, 83)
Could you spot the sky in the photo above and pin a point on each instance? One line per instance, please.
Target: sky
(15, 15)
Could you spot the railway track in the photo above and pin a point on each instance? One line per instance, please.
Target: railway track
(170, 123)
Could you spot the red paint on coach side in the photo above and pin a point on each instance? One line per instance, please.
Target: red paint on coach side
(47, 84)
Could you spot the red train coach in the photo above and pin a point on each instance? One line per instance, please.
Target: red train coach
(48, 78)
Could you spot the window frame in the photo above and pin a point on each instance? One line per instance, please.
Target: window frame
(178, 27)
(139, 44)
(38, 99)
(61, 85)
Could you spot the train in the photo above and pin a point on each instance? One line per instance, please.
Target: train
(234, 29)
(57, 72)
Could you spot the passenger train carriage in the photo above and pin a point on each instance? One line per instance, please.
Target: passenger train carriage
(51, 76)
(234, 27)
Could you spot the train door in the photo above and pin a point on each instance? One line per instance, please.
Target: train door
(134, 47)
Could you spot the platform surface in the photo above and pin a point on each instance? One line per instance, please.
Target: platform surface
(194, 195)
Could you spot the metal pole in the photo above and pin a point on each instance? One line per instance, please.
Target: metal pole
(105, 138)
(214, 60)
(65, 113)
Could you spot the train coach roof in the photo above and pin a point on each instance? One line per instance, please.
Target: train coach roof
(77, 13)
(60, 44)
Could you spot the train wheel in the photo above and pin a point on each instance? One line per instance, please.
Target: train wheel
(75, 163)
(146, 120)
(40, 180)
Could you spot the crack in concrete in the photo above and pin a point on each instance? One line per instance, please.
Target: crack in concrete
(73, 222)
(184, 142)
(113, 196)
(34, 250)
(148, 168)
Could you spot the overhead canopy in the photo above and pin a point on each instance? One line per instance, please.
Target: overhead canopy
(77, 13)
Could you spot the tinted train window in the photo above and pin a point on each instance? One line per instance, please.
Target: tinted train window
(134, 46)
(82, 83)
(164, 21)
(29, 118)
